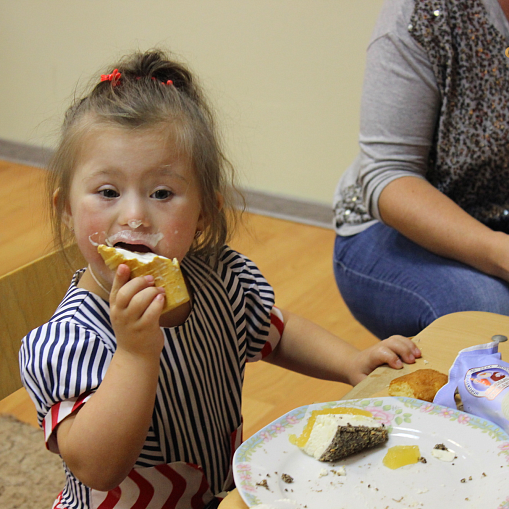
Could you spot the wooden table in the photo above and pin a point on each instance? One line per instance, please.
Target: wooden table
(440, 343)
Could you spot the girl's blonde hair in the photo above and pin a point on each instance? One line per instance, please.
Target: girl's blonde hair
(146, 91)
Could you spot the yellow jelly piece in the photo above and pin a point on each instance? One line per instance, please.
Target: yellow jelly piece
(306, 432)
(401, 455)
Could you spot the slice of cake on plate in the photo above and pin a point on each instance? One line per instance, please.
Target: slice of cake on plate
(336, 436)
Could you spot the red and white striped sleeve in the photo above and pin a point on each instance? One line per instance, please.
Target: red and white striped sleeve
(276, 329)
(57, 414)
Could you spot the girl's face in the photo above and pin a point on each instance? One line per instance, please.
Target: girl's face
(138, 183)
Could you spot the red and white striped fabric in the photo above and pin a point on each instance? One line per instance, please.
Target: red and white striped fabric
(277, 326)
(175, 486)
(57, 414)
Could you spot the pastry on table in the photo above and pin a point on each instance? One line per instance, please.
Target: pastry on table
(422, 384)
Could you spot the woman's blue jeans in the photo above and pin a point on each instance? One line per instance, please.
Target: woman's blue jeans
(393, 286)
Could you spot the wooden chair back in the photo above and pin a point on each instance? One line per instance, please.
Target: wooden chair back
(28, 298)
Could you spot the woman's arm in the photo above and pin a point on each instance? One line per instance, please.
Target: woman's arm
(399, 110)
(101, 442)
(400, 105)
(425, 215)
(311, 350)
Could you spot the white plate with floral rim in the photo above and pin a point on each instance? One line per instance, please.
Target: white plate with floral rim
(476, 478)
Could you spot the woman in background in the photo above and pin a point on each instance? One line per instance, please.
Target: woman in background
(422, 215)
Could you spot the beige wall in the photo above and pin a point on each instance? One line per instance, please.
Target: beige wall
(285, 75)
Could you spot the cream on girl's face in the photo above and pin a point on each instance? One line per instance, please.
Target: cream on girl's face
(136, 178)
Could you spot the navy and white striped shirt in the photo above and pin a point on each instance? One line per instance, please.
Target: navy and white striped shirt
(197, 415)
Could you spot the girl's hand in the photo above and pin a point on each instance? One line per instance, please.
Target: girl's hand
(392, 351)
(135, 308)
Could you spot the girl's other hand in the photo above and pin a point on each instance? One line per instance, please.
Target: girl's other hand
(392, 351)
(135, 308)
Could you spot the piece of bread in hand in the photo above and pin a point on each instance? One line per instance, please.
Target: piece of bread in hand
(422, 384)
(166, 272)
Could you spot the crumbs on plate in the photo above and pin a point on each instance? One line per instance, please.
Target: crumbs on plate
(288, 479)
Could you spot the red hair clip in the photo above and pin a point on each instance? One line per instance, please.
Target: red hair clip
(113, 77)
(169, 82)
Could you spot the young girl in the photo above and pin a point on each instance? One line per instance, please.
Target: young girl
(145, 408)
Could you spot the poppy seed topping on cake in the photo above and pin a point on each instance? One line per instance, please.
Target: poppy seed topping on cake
(334, 436)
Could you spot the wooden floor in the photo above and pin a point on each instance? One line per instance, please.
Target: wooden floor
(295, 258)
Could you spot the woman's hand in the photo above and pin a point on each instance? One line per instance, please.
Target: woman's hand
(392, 351)
(135, 308)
